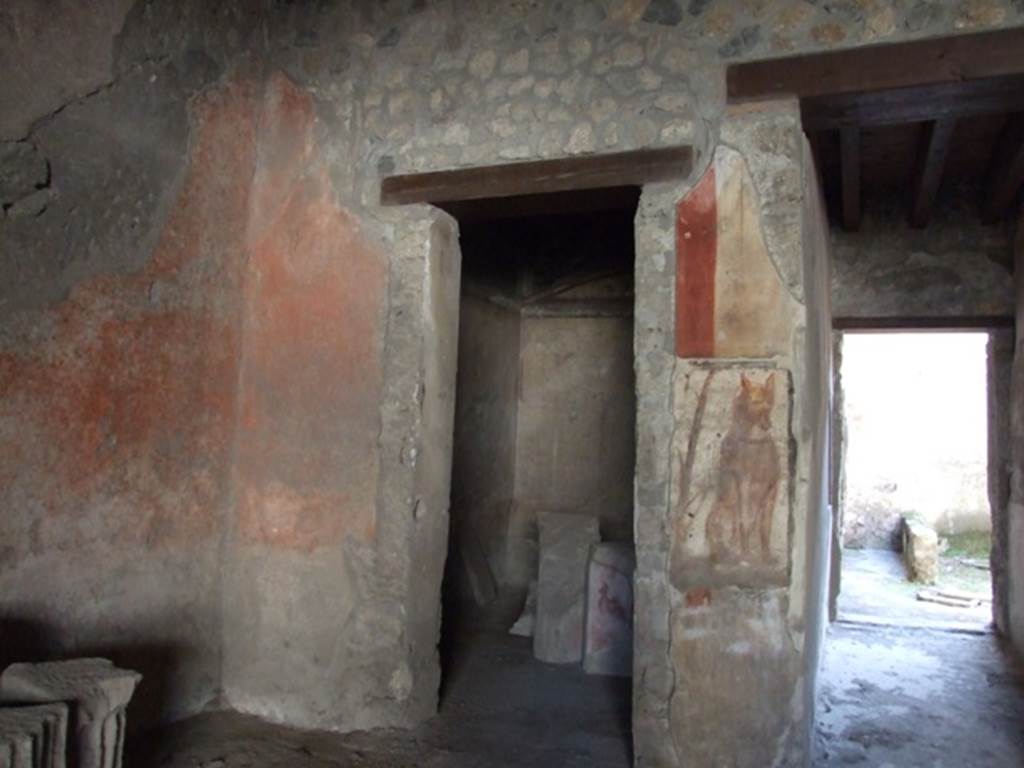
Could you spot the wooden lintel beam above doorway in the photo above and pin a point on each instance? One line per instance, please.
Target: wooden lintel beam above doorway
(881, 67)
(903, 324)
(935, 144)
(620, 169)
(849, 158)
(1006, 172)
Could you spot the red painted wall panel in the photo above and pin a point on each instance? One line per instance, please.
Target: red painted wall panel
(696, 256)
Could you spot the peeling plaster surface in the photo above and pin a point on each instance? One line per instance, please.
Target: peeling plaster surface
(305, 471)
(78, 38)
(116, 431)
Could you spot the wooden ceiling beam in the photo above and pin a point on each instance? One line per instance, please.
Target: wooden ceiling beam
(849, 157)
(931, 162)
(619, 169)
(938, 80)
(1006, 172)
(881, 67)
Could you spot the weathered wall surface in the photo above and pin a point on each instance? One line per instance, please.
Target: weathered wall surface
(304, 476)
(837, 477)
(397, 672)
(728, 492)
(955, 267)
(999, 365)
(79, 41)
(545, 422)
(118, 403)
(815, 434)
(207, 404)
(575, 446)
(402, 86)
(487, 401)
(1015, 508)
(335, 540)
(498, 81)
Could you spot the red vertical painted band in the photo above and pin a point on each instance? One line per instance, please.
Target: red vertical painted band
(696, 254)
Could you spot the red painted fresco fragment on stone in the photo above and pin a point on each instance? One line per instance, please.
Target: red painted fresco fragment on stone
(311, 377)
(696, 258)
(116, 424)
(697, 597)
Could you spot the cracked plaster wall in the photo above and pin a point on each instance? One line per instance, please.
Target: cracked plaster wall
(199, 449)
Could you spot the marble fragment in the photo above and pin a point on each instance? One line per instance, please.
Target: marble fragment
(565, 542)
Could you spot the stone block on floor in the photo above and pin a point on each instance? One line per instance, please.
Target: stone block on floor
(98, 692)
(16, 751)
(34, 736)
(565, 542)
(608, 639)
(920, 550)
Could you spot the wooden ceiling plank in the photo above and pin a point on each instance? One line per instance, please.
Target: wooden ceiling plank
(1006, 172)
(935, 145)
(545, 176)
(880, 67)
(849, 158)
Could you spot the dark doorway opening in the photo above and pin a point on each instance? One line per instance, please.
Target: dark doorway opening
(545, 423)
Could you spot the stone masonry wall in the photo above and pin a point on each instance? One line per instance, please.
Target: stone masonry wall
(999, 367)
(1014, 522)
(731, 489)
(305, 466)
(124, 186)
(575, 433)
(955, 267)
(129, 236)
(216, 453)
(484, 461)
(116, 425)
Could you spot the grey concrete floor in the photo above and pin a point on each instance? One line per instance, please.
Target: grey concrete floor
(907, 683)
(890, 697)
(903, 698)
(501, 707)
